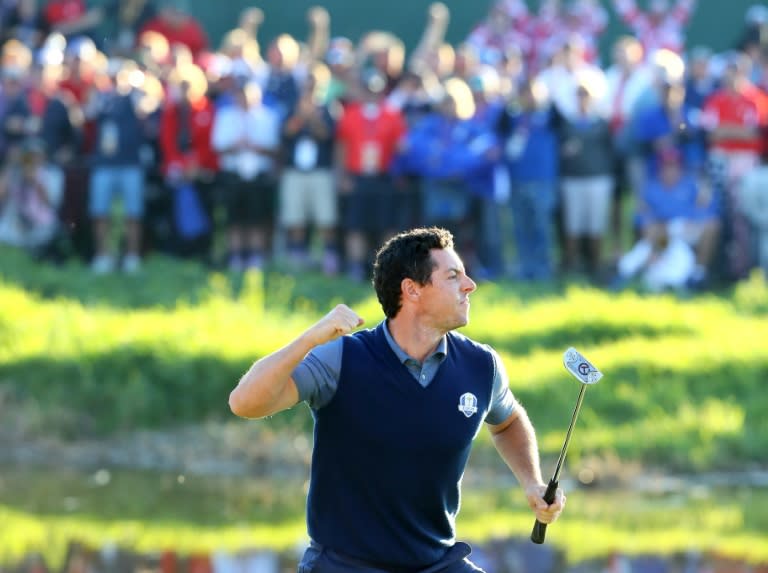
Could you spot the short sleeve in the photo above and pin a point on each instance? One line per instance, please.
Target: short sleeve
(317, 376)
(503, 403)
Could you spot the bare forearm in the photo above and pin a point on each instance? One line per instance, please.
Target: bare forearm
(517, 446)
(267, 387)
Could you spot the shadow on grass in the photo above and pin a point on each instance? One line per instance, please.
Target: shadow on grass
(127, 389)
(587, 334)
(164, 282)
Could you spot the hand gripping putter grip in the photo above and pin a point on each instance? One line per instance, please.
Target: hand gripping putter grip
(585, 372)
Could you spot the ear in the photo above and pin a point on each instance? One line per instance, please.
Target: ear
(410, 290)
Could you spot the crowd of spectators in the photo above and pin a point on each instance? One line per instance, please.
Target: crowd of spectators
(542, 159)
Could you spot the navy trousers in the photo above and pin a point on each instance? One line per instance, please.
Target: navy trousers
(318, 559)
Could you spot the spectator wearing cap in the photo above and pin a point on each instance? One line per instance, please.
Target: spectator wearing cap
(530, 154)
(308, 187)
(189, 162)
(367, 136)
(246, 137)
(679, 225)
(116, 167)
(586, 168)
(174, 22)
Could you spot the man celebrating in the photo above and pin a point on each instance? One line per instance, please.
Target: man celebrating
(396, 409)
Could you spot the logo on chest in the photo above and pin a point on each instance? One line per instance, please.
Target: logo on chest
(468, 404)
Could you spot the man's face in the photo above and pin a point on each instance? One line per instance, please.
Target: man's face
(445, 301)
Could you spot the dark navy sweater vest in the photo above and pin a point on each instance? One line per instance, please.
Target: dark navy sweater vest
(389, 454)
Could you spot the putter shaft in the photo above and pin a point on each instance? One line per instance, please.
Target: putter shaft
(561, 459)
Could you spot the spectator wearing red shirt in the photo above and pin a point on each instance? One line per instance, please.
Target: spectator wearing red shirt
(368, 135)
(174, 22)
(733, 118)
(189, 162)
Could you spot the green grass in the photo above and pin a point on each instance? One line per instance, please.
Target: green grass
(684, 390)
(84, 356)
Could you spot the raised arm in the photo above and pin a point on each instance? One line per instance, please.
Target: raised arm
(267, 387)
(433, 35)
(319, 32)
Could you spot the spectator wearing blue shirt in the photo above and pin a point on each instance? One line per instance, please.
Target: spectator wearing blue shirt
(280, 88)
(672, 124)
(450, 152)
(700, 82)
(531, 157)
(490, 185)
(679, 222)
(117, 168)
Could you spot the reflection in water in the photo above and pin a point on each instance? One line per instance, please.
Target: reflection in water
(127, 522)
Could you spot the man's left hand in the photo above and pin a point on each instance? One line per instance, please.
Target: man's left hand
(545, 513)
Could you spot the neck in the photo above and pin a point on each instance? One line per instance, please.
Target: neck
(417, 340)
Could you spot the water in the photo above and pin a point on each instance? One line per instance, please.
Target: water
(44, 511)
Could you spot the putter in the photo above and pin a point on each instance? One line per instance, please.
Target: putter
(583, 370)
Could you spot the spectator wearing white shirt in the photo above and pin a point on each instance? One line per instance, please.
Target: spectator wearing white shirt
(307, 187)
(570, 70)
(246, 135)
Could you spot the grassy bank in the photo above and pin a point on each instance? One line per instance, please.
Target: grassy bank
(82, 356)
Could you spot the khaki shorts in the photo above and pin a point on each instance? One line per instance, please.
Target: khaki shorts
(308, 197)
(586, 205)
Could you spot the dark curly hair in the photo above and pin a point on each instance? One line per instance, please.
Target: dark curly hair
(406, 255)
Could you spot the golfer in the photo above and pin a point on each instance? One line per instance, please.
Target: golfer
(396, 409)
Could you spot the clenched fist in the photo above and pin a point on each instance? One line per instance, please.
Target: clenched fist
(340, 321)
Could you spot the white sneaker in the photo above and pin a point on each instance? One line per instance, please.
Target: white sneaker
(102, 265)
(131, 264)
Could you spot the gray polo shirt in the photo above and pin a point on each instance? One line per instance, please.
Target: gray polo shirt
(317, 376)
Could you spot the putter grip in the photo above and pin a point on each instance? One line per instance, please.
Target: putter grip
(540, 529)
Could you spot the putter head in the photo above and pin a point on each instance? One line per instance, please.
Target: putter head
(581, 368)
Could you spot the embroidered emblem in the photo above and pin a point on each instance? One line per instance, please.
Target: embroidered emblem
(468, 404)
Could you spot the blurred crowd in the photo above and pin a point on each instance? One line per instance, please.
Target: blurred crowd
(512, 555)
(542, 159)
